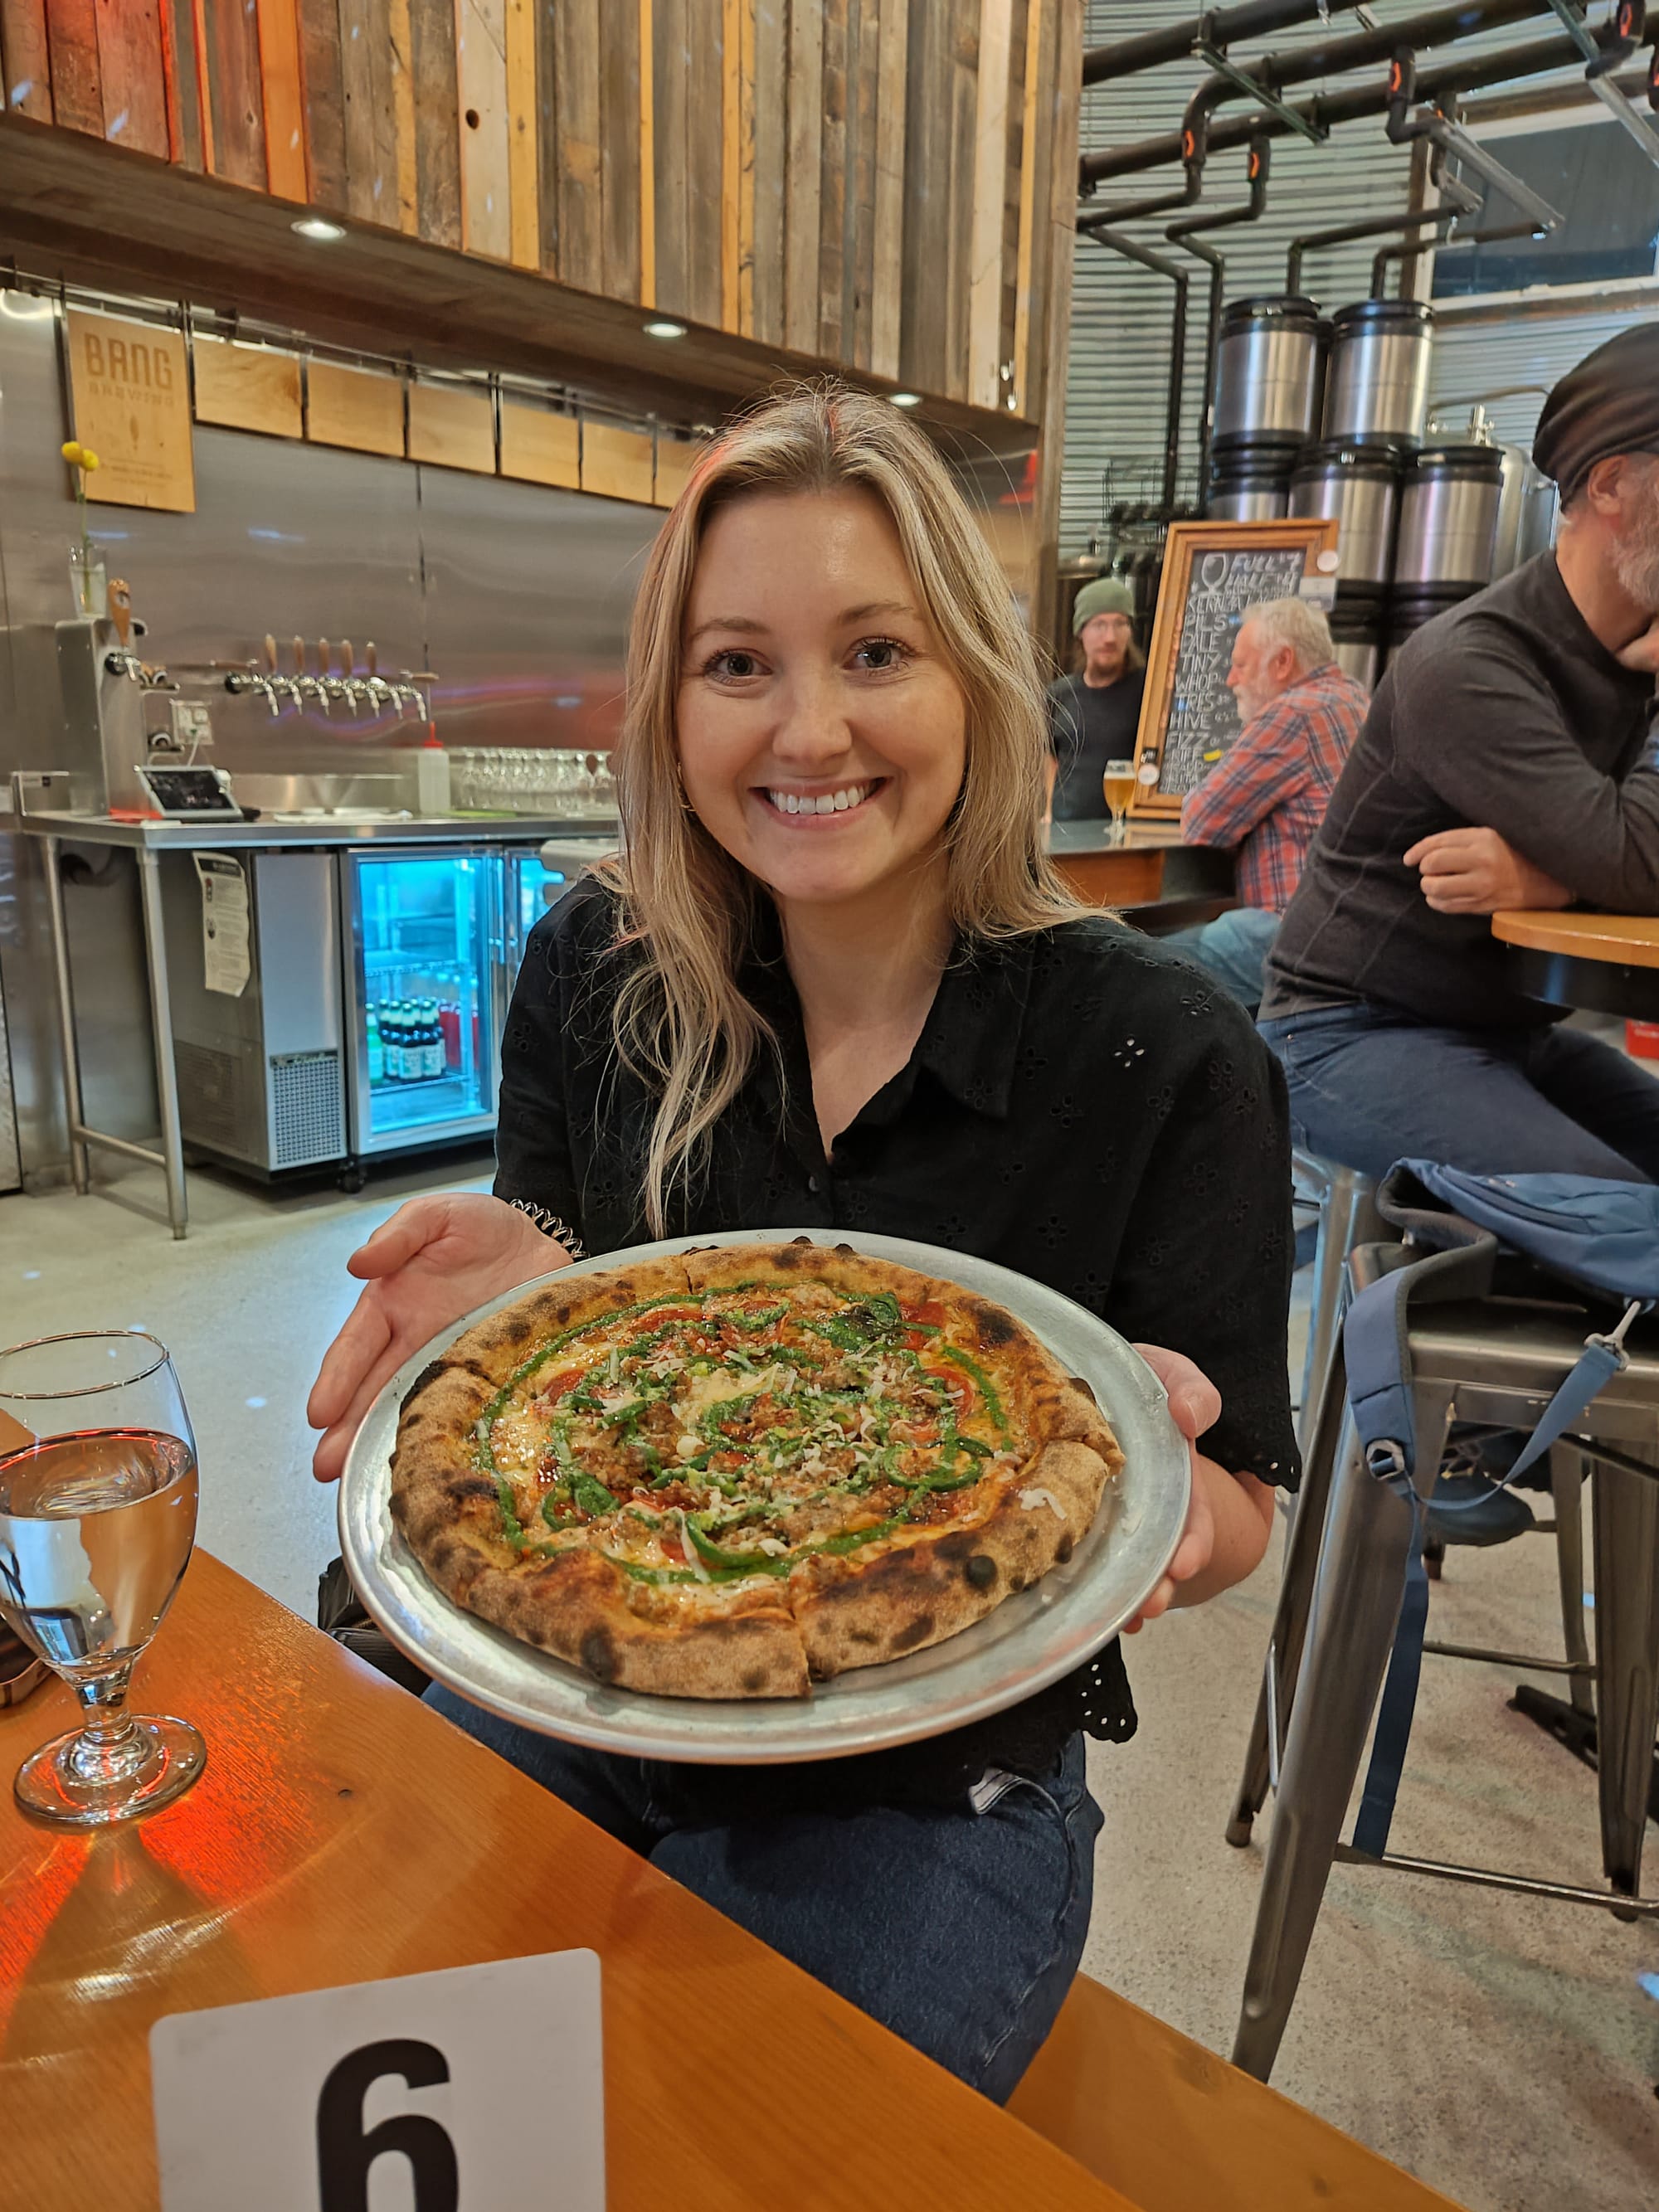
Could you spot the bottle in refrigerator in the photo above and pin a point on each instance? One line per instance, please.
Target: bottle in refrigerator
(449, 1021)
(376, 1048)
(392, 1031)
(433, 1038)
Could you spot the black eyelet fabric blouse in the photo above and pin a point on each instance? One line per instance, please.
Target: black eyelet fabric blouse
(1081, 1106)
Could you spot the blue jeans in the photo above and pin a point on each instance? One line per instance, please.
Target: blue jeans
(1369, 1086)
(961, 1930)
(1233, 948)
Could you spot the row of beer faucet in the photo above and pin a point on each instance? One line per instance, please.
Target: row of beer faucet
(327, 686)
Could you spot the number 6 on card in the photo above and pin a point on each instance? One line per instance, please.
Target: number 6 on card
(389, 2093)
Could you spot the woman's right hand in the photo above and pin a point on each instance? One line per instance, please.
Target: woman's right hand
(434, 1259)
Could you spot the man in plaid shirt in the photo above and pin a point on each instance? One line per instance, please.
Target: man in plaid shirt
(1267, 794)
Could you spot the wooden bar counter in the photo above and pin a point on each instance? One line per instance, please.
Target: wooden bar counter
(345, 1832)
(1152, 863)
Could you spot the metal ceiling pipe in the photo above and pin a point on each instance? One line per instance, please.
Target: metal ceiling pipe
(1133, 251)
(1469, 75)
(1219, 26)
(1183, 234)
(1333, 57)
(1380, 265)
(1450, 198)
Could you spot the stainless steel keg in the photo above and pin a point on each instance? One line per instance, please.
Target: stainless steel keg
(1528, 508)
(1360, 658)
(1377, 383)
(1248, 495)
(1359, 485)
(1269, 365)
(1449, 505)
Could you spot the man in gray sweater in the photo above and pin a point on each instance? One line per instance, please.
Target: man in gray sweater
(1507, 761)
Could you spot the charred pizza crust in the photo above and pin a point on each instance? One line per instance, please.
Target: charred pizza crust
(762, 1637)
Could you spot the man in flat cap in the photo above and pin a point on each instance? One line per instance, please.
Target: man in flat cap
(1506, 762)
(1093, 715)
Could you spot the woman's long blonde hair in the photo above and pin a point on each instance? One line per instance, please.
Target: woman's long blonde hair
(681, 1022)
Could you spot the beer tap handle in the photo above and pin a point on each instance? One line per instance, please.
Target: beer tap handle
(121, 609)
(271, 652)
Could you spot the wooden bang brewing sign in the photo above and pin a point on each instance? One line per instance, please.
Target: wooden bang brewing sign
(130, 390)
(1213, 573)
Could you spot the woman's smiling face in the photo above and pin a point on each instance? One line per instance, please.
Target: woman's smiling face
(822, 738)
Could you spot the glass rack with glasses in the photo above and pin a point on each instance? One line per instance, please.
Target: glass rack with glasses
(561, 786)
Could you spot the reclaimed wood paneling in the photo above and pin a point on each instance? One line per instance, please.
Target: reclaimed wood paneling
(234, 103)
(184, 92)
(771, 100)
(704, 159)
(547, 135)
(648, 157)
(486, 177)
(130, 74)
(927, 241)
(398, 62)
(616, 463)
(523, 147)
(1025, 12)
(77, 99)
(671, 73)
(1057, 128)
(244, 387)
(738, 166)
(621, 64)
(989, 189)
(832, 184)
(354, 407)
(579, 173)
(540, 447)
(864, 85)
(805, 175)
(887, 274)
(27, 58)
(438, 124)
(282, 87)
(325, 97)
(452, 427)
(962, 82)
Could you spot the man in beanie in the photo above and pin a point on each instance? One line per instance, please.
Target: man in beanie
(1506, 762)
(1093, 715)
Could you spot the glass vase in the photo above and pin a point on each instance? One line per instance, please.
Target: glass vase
(87, 582)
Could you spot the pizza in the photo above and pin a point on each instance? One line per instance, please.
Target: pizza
(730, 1472)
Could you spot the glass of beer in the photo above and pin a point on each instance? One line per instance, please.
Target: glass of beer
(97, 1519)
(1118, 783)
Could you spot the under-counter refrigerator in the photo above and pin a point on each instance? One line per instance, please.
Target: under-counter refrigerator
(424, 950)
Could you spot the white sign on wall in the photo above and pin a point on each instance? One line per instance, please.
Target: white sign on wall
(480, 2087)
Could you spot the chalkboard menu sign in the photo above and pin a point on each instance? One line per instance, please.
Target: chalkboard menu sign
(1213, 573)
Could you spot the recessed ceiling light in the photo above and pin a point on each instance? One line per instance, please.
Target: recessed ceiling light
(664, 330)
(905, 399)
(318, 227)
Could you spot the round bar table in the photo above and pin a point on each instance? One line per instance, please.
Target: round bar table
(1607, 963)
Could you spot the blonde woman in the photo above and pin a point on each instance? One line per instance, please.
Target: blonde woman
(834, 982)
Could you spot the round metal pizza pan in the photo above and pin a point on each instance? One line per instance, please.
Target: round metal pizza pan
(1027, 1643)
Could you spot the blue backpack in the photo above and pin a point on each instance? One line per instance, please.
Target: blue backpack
(1602, 1236)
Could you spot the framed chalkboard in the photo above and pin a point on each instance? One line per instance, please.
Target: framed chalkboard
(1213, 573)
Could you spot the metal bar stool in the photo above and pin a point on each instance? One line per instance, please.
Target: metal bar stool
(1347, 1216)
(1499, 1361)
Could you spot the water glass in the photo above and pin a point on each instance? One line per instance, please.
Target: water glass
(97, 1519)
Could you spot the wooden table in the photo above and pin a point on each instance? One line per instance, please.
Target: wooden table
(344, 1833)
(1607, 963)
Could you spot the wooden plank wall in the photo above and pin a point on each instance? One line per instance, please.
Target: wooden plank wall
(870, 183)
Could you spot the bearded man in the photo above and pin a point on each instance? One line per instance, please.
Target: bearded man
(1507, 761)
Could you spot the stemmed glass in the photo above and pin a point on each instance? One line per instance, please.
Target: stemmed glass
(1118, 788)
(97, 1518)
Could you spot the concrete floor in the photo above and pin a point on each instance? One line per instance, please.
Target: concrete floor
(1507, 2050)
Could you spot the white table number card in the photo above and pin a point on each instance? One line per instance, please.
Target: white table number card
(478, 2089)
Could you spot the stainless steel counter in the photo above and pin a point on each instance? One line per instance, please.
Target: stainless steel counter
(216, 834)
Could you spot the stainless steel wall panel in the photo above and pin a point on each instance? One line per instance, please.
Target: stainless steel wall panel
(528, 593)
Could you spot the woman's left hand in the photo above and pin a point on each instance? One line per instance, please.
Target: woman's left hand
(1195, 1404)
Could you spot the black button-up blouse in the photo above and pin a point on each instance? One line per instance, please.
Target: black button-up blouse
(1081, 1106)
